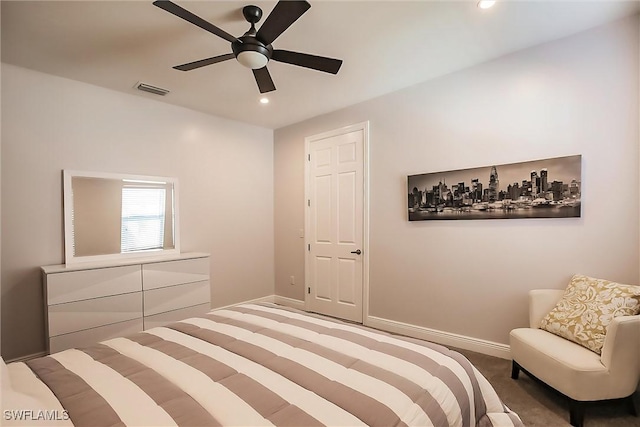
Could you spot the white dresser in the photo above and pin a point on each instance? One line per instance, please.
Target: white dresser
(86, 303)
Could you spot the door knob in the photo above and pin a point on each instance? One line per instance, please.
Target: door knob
(358, 252)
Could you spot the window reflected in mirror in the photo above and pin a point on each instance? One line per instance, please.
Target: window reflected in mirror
(145, 207)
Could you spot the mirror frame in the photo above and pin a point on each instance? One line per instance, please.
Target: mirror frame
(70, 258)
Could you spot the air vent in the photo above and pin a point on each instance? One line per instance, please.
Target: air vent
(151, 89)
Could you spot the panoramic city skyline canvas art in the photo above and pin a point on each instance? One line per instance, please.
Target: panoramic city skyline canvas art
(548, 188)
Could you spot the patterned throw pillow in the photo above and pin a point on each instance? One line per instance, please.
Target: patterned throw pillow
(587, 307)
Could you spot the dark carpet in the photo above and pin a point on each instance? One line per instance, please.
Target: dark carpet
(539, 405)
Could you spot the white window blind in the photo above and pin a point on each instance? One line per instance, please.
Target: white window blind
(143, 216)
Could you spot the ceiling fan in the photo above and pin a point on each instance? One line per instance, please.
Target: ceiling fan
(254, 49)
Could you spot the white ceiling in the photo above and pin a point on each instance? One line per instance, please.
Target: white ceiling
(385, 45)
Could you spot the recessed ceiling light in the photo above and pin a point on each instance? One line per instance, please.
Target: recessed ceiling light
(264, 100)
(486, 4)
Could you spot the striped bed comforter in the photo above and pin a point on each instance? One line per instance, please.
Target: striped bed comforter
(263, 365)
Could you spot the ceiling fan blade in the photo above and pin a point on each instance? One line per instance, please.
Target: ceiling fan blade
(281, 17)
(195, 20)
(320, 63)
(204, 62)
(263, 78)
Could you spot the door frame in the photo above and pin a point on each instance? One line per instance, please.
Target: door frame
(364, 127)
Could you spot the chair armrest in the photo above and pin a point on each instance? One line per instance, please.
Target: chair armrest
(622, 345)
(541, 301)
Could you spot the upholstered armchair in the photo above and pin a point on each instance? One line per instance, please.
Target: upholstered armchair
(578, 372)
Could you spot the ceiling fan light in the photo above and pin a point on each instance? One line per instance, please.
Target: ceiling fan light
(252, 59)
(486, 4)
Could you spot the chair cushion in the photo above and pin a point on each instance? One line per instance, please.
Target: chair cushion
(564, 365)
(587, 307)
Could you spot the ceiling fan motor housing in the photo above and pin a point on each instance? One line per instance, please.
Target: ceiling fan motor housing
(250, 52)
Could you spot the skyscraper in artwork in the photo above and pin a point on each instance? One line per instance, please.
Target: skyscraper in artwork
(494, 184)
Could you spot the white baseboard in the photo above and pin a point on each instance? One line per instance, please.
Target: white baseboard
(268, 298)
(440, 337)
(277, 299)
(288, 302)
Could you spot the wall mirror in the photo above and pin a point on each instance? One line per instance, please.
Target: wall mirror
(111, 216)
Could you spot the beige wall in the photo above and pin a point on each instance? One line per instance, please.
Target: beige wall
(50, 124)
(574, 96)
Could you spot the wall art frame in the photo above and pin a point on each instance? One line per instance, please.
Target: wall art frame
(547, 188)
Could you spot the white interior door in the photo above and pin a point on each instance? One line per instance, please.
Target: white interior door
(335, 261)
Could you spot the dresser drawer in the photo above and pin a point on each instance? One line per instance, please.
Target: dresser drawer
(175, 315)
(80, 315)
(161, 274)
(90, 336)
(85, 284)
(175, 297)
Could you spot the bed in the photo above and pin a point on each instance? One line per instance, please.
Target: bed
(253, 365)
